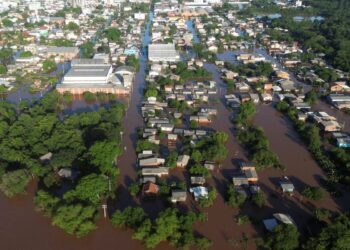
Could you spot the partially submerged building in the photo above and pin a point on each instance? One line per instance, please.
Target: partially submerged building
(91, 75)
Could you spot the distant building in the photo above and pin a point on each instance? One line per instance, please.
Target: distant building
(65, 53)
(163, 53)
(140, 16)
(77, 3)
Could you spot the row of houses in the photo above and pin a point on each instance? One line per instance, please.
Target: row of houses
(167, 125)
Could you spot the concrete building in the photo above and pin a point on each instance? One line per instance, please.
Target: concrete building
(163, 53)
(91, 75)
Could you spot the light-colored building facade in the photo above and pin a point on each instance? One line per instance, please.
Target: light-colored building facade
(163, 53)
(91, 75)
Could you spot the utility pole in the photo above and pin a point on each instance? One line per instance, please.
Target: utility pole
(104, 207)
(121, 135)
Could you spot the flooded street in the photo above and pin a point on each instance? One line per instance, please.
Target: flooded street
(301, 168)
(221, 227)
(132, 121)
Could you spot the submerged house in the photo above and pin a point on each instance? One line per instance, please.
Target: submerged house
(178, 196)
(182, 161)
(197, 180)
(153, 161)
(199, 192)
(46, 158)
(286, 185)
(150, 189)
(240, 181)
(160, 171)
(277, 219)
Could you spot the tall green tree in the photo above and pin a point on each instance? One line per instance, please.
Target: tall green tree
(103, 155)
(91, 188)
(75, 219)
(14, 182)
(113, 34)
(334, 236)
(283, 237)
(49, 66)
(87, 50)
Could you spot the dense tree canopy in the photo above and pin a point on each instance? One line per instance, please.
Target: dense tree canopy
(14, 182)
(90, 188)
(213, 147)
(7, 22)
(283, 237)
(103, 154)
(333, 236)
(85, 144)
(170, 225)
(3, 70)
(87, 50)
(113, 34)
(6, 55)
(75, 219)
(72, 26)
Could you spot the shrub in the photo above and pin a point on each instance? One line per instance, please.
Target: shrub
(313, 193)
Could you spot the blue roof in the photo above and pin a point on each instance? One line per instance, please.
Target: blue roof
(270, 224)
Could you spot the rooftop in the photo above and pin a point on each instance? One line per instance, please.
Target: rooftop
(54, 49)
(88, 71)
(164, 51)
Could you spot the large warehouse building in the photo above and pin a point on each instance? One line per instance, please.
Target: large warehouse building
(92, 75)
(163, 53)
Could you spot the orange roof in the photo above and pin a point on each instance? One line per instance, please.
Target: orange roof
(150, 188)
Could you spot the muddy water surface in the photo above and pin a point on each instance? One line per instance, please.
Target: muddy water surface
(301, 168)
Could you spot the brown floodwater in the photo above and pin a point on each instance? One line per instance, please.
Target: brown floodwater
(23, 228)
(301, 168)
(221, 227)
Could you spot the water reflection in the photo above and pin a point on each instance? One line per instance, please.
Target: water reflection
(24, 93)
